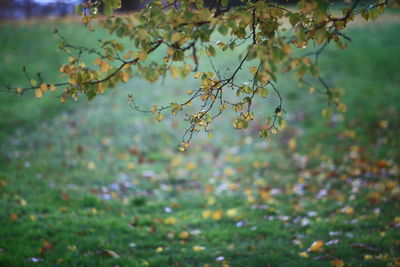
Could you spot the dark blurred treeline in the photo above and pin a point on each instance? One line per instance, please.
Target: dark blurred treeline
(20, 9)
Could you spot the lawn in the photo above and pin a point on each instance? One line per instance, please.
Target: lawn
(96, 183)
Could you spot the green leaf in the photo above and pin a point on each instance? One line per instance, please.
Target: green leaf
(223, 29)
(263, 92)
(211, 51)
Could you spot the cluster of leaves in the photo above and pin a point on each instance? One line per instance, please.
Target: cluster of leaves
(266, 34)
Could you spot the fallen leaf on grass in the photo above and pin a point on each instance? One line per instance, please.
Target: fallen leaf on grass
(47, 246)
(111, 253)
(13, 216)
(217, 215)
(367, 257)
(231, 212)
(316, 246)
(170, 221)
(206, 214)
(198, 248)
(348, 210)
(337, 263)
(303, 254)
(184, 235)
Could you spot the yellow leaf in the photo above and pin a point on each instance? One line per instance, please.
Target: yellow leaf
(97, 61)
(91, 165)
(211, 201)
(104, 67)
(181, 148)
(191, 166)
(124, 76)
(303, 254)
(367, 257)
(159, 117)
(23, 202)
(159, 249)
(131, 165)
(316, 246)
(43, 87)
(231, 212)
(85, 19)
(198, 248)
(38, 93)
(383, 124)
(53, 88)
(100, 88)
(128, 54)
(206, 214)
(229, 171)
(170, 221)
(292, 144)
(348, 210)
(142, 55)
(175, 72)
(176, 36)
(190, 92)
(184, 235)
(327, 113)
(341, 107)
(19, 90)
(197, 75)
(217, 215)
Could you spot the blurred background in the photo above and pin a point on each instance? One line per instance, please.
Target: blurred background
(95, 182)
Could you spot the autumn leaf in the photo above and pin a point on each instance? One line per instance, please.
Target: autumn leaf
(128, 55)
(91, 165)
(44, 87)
(197, 75)
(198, 248)
(337, 263)
(38, 93)
(170, 221)
(316, 246)
(104, 67)
(217, 215)
(206, 214)
(159, 117)
(303, 254)
(47, 246)
(13, 216)
(231, 212)
(111, 253)
(97, 61)
(184, 235)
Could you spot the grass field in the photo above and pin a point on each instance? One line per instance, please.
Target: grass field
(96, 183)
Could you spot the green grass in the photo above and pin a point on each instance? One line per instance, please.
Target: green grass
(81, 179)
